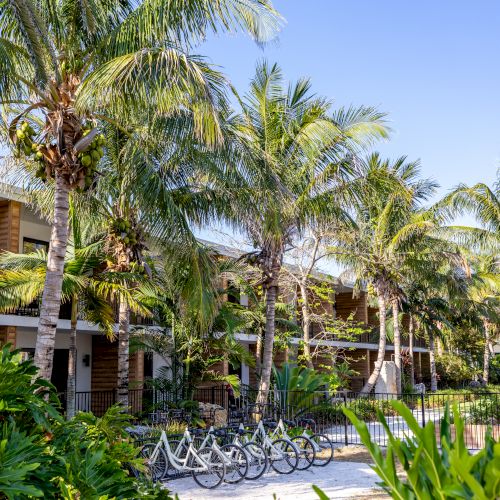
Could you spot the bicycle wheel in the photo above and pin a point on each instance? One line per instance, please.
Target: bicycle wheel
(215, 471)
(323, 450)
(306, 451)
(257, 460)
(171, 472)
(157, 465)
(237, 469)
(283, 456)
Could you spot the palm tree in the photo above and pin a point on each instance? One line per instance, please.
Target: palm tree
(66, 70)
(294, 152)
(388, 222)
(22, 278)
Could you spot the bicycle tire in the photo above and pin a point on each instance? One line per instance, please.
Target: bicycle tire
(306, 451)
(217, 468)
(257, 460)
(325, 455)
(158, 467)
(288, 458)
(238, 469)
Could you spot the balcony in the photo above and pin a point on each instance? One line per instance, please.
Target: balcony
(33, 311)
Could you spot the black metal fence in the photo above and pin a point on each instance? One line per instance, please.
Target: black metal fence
(480, 410)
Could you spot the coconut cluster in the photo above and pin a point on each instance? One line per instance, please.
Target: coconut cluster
(89, 160)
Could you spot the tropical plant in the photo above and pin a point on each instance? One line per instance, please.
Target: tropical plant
(448, 471)
(294, 151)
(22, 279)
(295, 386)
(389, 222)
(67, 70)
(43, 456)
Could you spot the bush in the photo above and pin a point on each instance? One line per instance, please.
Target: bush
(485, 411)
(364, 408)
(453, 370)
(446, 472)
(44, 456)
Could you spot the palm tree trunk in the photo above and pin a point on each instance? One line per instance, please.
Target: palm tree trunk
(71, 384)
(372, 380)
(486, 356)
(267, 359)
(397, 343)
(411, 334)
(123, 352)
(258, 355)
(306, 325)
(51, 298)
(432, 360)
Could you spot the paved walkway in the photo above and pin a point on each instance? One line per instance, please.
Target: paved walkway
(338, 480)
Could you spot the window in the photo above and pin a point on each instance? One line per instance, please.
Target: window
(31, 245)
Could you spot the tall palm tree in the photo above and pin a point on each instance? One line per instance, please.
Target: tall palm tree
(294, 155)
(388, 221)
(65, 70)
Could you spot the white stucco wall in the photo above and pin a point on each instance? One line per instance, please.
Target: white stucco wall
(26, 338)
(32, 227)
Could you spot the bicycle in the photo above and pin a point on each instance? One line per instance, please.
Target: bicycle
(283, 455)
(256, 455)
(235, 458)
(303, 442)
(207, 465)
(323, 446)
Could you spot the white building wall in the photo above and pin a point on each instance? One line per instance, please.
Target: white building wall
(26, 339)
(32, 227)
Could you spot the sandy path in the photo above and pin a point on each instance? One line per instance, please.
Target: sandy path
(337, 480)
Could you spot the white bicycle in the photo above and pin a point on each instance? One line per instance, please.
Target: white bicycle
(305, 445)
(235, 458)
(283, 455)
(256, 455)
(207, 465)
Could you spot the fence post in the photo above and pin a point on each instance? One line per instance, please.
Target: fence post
(422, 403)
(213, 394)
(346, 439)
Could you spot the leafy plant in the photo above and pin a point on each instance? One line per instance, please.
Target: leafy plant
(432, 472)
(44, 456)
(295, 385)
(485, 411)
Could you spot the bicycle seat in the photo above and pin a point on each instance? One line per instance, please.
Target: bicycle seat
(241, 432)
(271, 424)
(197, 432)
(289, 422)
(220, 432)
(306, 421)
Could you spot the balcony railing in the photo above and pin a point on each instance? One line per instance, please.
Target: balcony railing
(33, 311)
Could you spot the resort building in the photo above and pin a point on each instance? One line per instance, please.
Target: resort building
(22, 230)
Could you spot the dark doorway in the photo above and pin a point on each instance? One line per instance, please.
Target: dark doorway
(60, 369)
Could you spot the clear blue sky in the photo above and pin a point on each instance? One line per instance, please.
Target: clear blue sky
(432, 65)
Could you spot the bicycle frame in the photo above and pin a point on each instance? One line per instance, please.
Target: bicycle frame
(177, 463)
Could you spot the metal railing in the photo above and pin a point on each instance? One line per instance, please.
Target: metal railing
(480, 410)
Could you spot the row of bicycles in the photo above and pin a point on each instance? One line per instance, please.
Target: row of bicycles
(237, 452)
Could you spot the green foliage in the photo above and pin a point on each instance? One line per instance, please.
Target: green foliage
(485, 411)
(364, 408)
(453, 370)
(295, 385)
(432, 472)
(44, 456)
(495, 369)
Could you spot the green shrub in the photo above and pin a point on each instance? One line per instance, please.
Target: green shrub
(44, 456)
(485, 411)
(432, 472)
(453, 370)
(364, 408)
